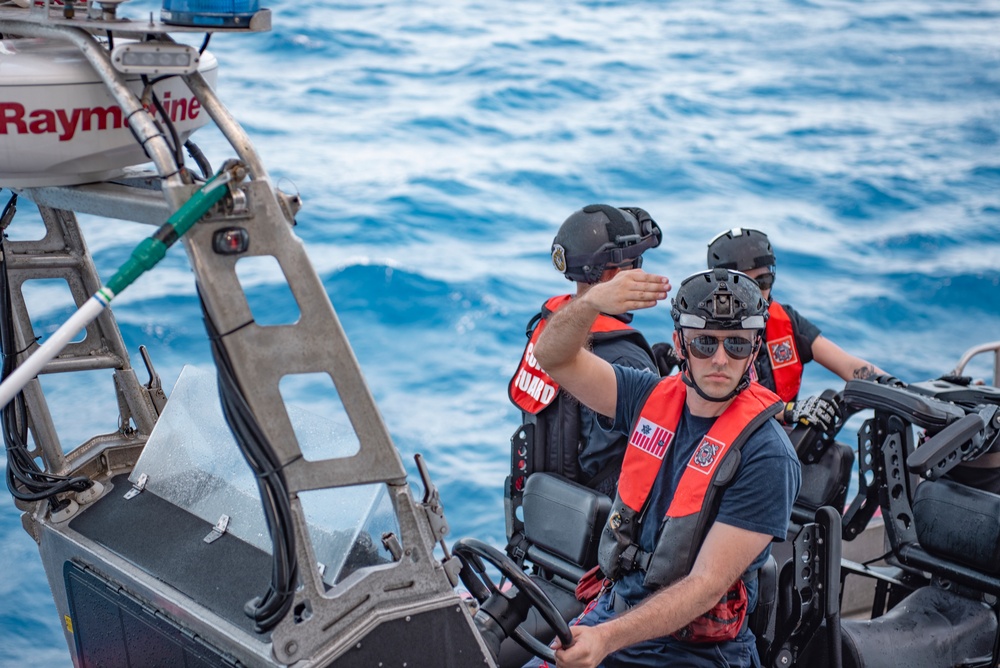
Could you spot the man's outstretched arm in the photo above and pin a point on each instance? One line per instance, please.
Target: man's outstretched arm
(841, 362)
(561, 348)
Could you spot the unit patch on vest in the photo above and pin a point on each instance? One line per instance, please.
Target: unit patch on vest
(651, 437)
(704, 458)
(782, 352)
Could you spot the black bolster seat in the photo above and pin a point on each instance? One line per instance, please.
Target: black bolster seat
(824, 482)
(959, 523)
(930, 628)
(957, 538)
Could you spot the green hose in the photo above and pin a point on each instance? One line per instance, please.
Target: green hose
(152, 249)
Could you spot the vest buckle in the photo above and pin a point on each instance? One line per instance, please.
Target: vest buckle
(628, 558)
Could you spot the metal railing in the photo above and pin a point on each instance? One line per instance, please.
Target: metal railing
(993, 347)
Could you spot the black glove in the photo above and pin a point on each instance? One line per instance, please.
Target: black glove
(819, 412)
(665, 357)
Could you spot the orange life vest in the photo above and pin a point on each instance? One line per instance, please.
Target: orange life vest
(786, 363)
(712, 466)
(531, 389)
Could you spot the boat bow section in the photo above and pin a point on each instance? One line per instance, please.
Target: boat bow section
(159, 545)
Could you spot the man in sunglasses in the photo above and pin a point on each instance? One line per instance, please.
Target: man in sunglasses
(707, 482)
(790, 339)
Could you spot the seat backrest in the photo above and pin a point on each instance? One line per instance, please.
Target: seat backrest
(824, 483)
(562, 524)
(958, 523)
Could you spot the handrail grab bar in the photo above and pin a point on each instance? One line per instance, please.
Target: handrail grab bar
(993, 347)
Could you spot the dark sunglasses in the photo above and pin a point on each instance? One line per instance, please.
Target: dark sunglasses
(765, 281)
(704, 346)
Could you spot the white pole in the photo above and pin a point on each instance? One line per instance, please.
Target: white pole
(86, 314)
(144, 257)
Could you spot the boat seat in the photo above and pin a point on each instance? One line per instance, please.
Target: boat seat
(955, 535)
(824, 483)
(562, 528)
(930, 628)
(959, 523)
(562, 525)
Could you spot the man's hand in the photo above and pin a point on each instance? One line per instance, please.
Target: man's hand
(665, 357)
(816, 412)
(628, 291)
(587, 650)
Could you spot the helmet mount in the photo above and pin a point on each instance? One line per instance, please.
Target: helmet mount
(719, 299)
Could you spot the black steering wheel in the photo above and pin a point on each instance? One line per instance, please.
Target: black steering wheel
(509, 611)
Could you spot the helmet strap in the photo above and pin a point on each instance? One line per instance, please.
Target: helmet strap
(689, 381)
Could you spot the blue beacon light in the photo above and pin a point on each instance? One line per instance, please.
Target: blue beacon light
(209, 13)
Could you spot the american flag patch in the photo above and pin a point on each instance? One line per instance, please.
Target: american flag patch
(651, 437)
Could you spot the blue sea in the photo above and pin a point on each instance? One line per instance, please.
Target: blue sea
(437, 146)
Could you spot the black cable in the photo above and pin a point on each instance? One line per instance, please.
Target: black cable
(196, 154)
(267, 610)
(175, 144)
(8, 212)
(878, 558)
(25, 480)
(204, 45)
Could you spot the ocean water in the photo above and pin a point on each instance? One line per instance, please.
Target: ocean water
(438, 145)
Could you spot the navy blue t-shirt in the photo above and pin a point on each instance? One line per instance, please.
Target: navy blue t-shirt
(758, 499)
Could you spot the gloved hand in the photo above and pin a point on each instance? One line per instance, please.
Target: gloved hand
(819, 412)
(665, 357)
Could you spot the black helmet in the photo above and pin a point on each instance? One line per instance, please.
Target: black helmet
(740, 249)
(599, 235)
(719, 299)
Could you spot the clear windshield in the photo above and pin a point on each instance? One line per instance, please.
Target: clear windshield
(193, 461)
